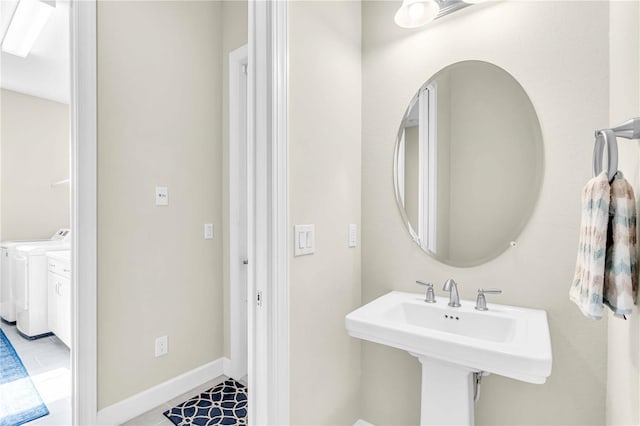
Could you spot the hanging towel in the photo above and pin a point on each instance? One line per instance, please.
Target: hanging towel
(620, 281)
(588, 281)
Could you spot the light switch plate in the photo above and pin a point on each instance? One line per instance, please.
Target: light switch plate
(304, 240)
(353, 235)
(162, 196)
(162, 346)
(208, 231)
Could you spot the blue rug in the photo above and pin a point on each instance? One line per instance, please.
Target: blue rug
(20, 402)
(224, 404)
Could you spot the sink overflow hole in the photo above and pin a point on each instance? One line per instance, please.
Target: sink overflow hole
(451, 317)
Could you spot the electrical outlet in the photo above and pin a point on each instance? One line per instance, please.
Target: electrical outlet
(208, 231)
(162, 345)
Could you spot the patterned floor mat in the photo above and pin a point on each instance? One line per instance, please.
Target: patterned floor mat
(20, 401)
(224, 404)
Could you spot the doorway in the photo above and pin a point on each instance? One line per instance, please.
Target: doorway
(238, 247)
(36, 290)
(268, 361)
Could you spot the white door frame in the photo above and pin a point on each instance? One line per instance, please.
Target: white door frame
(427, 148)
(83, 181)
(268, 213)
(238, 59)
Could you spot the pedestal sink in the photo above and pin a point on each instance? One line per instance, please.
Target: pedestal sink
(454, 343)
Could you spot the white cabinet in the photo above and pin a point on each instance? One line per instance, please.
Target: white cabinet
(52, 302)
(59, 297)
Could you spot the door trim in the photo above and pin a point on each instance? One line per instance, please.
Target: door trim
(268, 213)
(279, 314)
(83, 184)
(238, 351)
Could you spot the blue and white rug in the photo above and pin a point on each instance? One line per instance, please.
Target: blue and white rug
(20, 402)
(224, 404)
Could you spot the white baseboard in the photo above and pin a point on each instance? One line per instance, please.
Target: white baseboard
(149, 399)
(361, 422)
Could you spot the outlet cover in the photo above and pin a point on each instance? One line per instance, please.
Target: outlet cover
(162, 345)
(208, 231)
(353, 235)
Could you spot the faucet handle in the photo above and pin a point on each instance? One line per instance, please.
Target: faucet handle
(481, 302)
(430, 297)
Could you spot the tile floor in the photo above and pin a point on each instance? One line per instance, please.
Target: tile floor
(48, 362)
(156, 418)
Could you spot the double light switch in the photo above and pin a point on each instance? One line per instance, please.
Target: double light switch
(304, 239)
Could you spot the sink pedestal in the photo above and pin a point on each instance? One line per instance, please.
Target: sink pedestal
(507, 340)
(447, 394)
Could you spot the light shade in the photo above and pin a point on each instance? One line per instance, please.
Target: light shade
(416, 13)
(26, 25)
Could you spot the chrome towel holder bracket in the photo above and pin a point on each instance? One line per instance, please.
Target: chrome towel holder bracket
(630, 129)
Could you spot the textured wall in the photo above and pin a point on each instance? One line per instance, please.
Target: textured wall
(559, 52)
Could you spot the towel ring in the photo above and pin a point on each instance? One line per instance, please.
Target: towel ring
(608, 137)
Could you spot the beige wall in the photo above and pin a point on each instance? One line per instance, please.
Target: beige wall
(559, 52)
(623, 366)
(324, 179)
(234, 35)
(159, 123)
(35, 154)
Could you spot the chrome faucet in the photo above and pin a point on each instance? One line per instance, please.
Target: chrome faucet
(430, 297)
(452, 287)
(481, 302)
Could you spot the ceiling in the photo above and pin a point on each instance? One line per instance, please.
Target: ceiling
(45, 71)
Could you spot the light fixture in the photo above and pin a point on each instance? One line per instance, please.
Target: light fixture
(26, 25)
(415, 13)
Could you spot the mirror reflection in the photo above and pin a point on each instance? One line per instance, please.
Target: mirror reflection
(468, 163)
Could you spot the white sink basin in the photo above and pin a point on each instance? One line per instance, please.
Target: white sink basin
(505, 340)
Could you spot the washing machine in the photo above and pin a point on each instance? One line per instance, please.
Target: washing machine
(30, 282)
(7, 302)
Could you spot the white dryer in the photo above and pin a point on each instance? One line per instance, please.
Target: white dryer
(30, 278)
(7, 299)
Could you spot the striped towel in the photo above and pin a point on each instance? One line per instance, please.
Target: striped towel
(620, 280)
(588, 281)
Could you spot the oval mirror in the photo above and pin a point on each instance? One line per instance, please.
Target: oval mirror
(468, 163)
